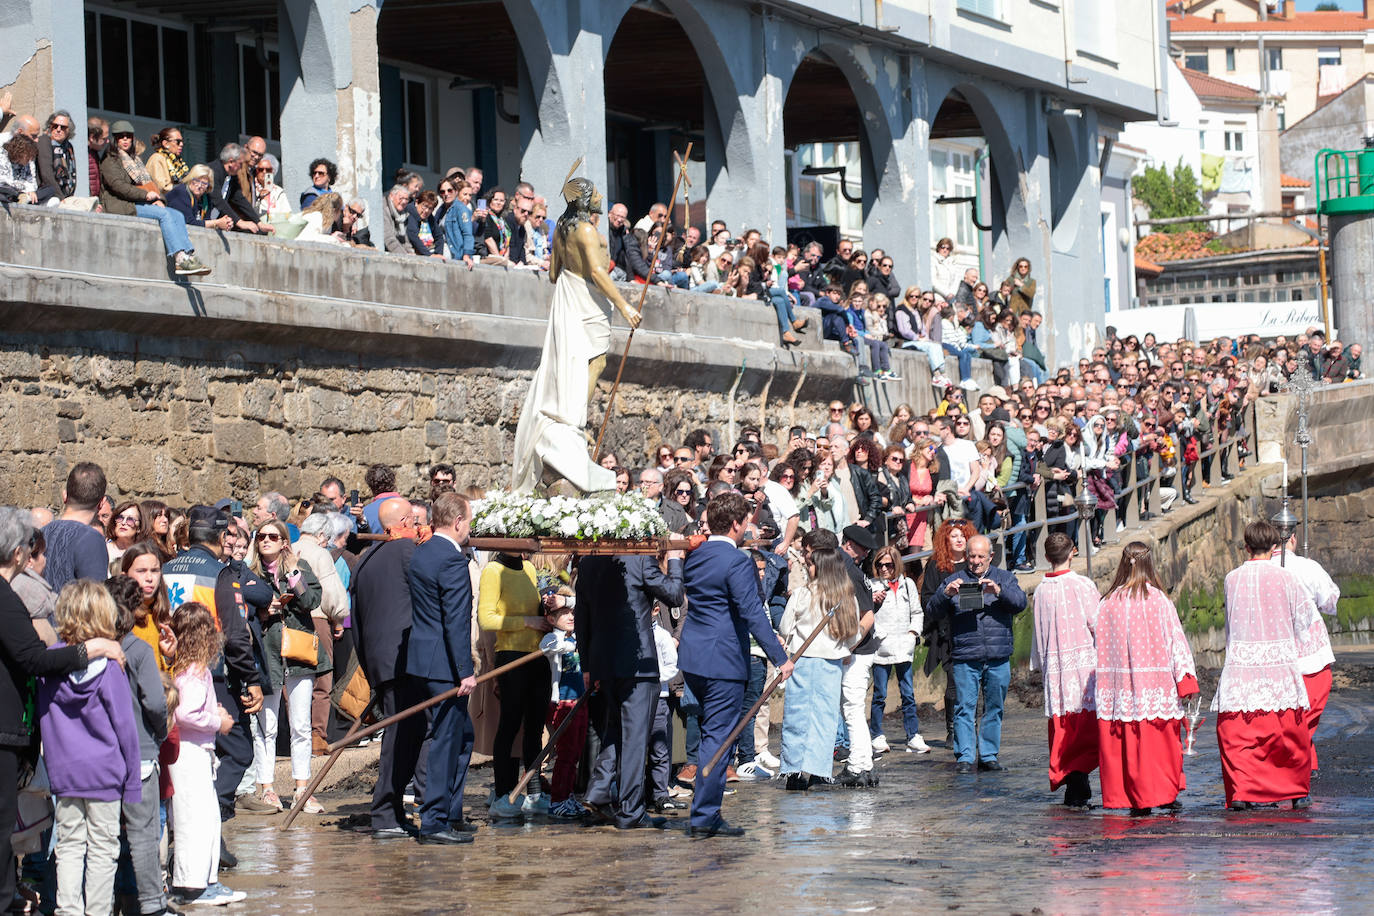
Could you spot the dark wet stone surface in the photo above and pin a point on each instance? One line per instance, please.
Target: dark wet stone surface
(926, 839)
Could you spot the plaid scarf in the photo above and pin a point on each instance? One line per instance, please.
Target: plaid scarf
(175, 167)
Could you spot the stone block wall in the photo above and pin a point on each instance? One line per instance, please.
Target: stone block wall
(189, 421)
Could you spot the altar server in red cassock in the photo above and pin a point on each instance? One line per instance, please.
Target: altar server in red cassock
(1314, 646)
(1261, 701)
(1065, 616)
(1144, 671)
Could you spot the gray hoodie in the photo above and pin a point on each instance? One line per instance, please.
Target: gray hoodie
(150, 702)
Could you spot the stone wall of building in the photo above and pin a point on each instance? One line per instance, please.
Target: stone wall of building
(201, 423)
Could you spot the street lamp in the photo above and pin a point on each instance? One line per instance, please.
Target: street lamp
(1086, 504)
(840, 170)
(1287, 523)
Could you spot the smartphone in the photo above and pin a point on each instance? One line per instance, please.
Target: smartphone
(352, 497)
(482, 204)
(235, 508)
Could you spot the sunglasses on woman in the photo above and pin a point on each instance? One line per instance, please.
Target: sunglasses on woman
(682, 491)
(269, 536)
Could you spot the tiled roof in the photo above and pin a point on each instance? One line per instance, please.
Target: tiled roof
(1143, 266)
(1300, 22)
(1212, 88)
(1290, 181)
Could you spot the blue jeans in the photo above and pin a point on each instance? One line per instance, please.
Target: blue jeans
(964, 355)
(992, 676)
(172, 224)
(783, 306)
(708, 287)
(753, 689)
(910, 723)
(691, 721)
(935, 354)
(678, 278)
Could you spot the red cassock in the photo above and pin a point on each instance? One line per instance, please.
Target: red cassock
(1318, 692)
(1144, 667)
(1073, 745)
(1062, 647)
(1261, 701)
(1265, 756)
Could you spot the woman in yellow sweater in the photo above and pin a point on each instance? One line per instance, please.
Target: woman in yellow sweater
(508, 604)
(142, 562)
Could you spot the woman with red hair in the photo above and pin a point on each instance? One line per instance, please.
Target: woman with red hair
(951, 542)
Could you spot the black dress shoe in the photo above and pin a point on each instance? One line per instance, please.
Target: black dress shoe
(1190, 501)
(964, 767)
(446, 838)
(392, 833)
(1301, 803)
(464, 827)
(797, 782)
(719, 828)
(992, 765)
(1174, 805)
(1146, 516)
(645, 822)
(1240, 806)
(1025, 567)
(1140, 812)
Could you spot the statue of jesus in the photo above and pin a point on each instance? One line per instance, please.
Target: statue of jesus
(550, 433)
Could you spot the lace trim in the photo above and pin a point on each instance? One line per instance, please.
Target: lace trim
(1138, 705)
(1274, 693)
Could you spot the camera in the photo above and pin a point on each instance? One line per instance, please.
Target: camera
(970, 597)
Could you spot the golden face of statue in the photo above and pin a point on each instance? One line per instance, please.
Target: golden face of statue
(597, 201)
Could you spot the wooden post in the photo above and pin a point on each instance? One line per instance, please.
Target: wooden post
(648, 281)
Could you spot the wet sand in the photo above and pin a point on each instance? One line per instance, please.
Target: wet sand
(925, 839)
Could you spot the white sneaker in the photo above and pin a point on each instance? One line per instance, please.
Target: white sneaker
(754, 771)
(969, 384)
(767, 760)
(939, 380)
(538, 803)
(918, 744)
(503, 809)
(880, 745)
(1120, 527)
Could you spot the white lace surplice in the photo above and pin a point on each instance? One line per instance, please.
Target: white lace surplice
(1142, 654)
(1266, 607)
(1062, 645)
(1320, 587)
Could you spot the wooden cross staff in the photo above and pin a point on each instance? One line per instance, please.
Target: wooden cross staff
(687, 188)
(648, 281)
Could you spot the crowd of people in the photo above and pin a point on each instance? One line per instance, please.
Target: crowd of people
(168, 643)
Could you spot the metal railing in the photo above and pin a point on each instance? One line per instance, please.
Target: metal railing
(1145, 491)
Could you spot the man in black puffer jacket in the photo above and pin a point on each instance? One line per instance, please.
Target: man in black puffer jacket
(982, 651)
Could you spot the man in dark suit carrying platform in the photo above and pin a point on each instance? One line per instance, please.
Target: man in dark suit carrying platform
(723, 607)
(439, 655)
(381, 628)
(615, 636)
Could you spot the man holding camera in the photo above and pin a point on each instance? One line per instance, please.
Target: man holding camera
(980, 600)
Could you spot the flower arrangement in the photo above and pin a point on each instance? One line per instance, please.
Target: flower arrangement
(626, 516)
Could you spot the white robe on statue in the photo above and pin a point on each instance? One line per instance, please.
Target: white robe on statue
(550, 432)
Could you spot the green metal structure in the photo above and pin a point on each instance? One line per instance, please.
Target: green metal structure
(1345, 181)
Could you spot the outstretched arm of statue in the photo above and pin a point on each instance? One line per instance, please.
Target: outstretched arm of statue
(587, 242)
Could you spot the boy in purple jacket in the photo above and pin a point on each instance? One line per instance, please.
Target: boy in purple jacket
(90, 746)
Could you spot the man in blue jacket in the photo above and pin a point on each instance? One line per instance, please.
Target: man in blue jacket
(723, 608)
(440, 654)
(982, 651)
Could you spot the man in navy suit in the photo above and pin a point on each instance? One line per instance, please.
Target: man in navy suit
(440, 655)
(723, 607)
(381, 629)
(615, 635)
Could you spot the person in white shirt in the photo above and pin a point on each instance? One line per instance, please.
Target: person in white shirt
(1315, 657)
(661, 735)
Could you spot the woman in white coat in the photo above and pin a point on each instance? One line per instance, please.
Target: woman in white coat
(896, 622)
